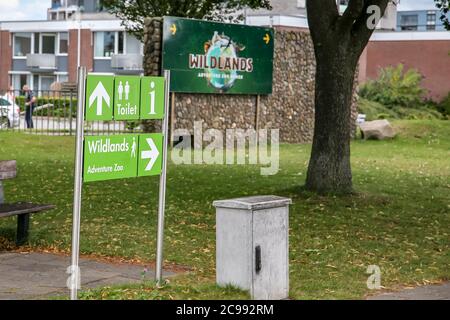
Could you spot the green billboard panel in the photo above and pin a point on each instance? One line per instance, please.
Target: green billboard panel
(110, 157)
(150, 154)
(126, 97)
(152, 98)
(210, 57)
(99, 98)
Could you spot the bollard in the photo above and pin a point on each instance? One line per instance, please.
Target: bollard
(252, 247)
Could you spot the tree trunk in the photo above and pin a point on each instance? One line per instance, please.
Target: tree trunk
(338, 43)
(329, 168)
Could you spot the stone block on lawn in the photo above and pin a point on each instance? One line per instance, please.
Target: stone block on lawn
(377, 130)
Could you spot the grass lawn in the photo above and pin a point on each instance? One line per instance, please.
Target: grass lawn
(398, 218)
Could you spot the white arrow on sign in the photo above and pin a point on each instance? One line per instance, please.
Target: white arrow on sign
(99, 94)
(151, 154)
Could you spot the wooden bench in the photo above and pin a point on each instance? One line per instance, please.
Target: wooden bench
(23, 210)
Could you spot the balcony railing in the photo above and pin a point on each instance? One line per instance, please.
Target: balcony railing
(129, 62)
(421, 27)
(41, 61)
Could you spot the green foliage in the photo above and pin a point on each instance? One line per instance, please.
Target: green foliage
(395, 87)
(444, 6)
(375, 111)
(444, 106)
(133, 12)
(132, 125)
(178, 290)
(52, 106)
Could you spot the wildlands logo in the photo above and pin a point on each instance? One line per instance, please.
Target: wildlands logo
(221, 62)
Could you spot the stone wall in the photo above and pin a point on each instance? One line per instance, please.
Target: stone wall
(289, 108)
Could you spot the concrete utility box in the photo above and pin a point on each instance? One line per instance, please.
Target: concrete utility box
(252, 248)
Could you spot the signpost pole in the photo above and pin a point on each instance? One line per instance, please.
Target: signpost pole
(172, 120)
(258, 101)
(162, 183)
(74, 269)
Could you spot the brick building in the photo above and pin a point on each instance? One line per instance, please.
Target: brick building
(76, 33)
(428, 52)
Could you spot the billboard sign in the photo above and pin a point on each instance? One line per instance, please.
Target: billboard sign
(211, 57)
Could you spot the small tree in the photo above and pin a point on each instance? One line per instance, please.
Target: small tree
(395, 86)
(133, 12)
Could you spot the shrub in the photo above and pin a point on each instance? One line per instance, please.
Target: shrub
(374, 111)
(444, 106)
(381, 116)
(56, 101)
(394, 87)
(57, 106)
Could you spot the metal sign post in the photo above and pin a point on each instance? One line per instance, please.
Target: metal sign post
(162, 183)
(121, 156)
(74, 269)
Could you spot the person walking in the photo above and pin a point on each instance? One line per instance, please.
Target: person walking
(10, 95)
(30, 104)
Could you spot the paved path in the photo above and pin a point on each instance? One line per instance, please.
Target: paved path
(38, 275)
(432, 292)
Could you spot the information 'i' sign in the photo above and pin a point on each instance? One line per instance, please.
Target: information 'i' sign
(152, 101)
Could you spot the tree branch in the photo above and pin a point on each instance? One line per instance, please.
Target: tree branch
(361, 31)
(353, 11)
(321, 17)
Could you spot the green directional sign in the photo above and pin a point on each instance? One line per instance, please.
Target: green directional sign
(110, 157)
(152, 98)
(99, 98)
(126, 97)
(150, 154)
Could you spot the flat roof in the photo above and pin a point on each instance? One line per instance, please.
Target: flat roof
(423, 10)
(410, 36)
(61, 25)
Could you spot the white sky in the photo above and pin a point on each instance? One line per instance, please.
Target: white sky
(416, 5)
(37, 9)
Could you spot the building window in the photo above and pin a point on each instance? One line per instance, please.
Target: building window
(120, 43)
(63, 78)
(48, 43)
(134, 46)
(99, 7)
(22, 44)
(56, 4)
(409, 28)
(36, 43)
(46, 82)
(36, 83)
(431, 17)
(105, 44)
(63, 43)
(19, 80)
(409, 22)
(431, 27)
